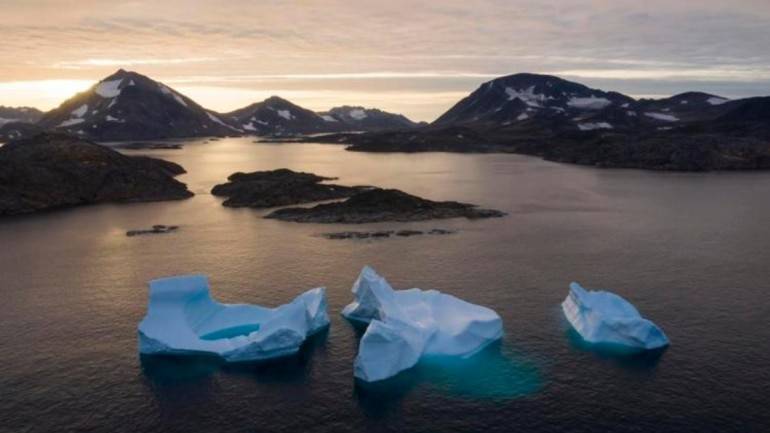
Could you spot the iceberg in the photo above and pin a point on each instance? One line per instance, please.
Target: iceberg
(406, 325)
(605, 318)
(183, 319)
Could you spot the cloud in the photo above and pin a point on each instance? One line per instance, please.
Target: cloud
(123, 63)
(453, 42)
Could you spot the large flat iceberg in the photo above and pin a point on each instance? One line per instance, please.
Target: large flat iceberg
(405, 325)
(605, 318)
(182, 318)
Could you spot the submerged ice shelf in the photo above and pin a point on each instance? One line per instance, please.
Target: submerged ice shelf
(605, 318)
(405, 325)
(182, 318)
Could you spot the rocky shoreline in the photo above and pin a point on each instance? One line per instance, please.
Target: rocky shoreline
(53, 170)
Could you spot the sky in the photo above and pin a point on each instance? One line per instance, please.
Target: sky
(415, 58)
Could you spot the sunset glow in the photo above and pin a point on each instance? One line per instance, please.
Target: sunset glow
(398, 56)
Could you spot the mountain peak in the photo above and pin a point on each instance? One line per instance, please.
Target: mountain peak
(129, 106)
(523, 96)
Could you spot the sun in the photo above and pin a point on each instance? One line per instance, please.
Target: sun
(42, 94)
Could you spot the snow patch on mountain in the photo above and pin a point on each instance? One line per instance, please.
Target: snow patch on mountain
(590, 103)
(167, 91)
(286, 114)
(715, 100)
(80, 111)
(108, 89)
(113, 119)
(522, 116)
(592, 126)
(663, 117)
(357, 114)
(328, 118)
(528, 96)
(70, 122)
(216, 119)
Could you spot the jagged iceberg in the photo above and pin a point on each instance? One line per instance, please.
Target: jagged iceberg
(605, 318)
(182, 318)
(405, 325)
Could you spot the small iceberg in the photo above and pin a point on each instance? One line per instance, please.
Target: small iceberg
(605, 318)
(183, 319)
(406, 325)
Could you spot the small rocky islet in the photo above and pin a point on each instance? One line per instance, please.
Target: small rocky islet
(282, 187)
(382, 234)
(382, 205)
(155, 230)
(54, 170)
(363, 204)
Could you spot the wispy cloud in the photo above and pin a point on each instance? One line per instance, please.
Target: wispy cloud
(123, 63)
(447, 46)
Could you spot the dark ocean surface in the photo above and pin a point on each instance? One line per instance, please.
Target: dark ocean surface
(691, 251)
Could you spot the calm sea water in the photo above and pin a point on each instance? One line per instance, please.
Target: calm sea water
(692, 251)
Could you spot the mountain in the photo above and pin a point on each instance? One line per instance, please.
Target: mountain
(277, 116)
(19, 114)
(130, 106)
(366, 119)
(569, 122)
(54, 170)
(530, 97)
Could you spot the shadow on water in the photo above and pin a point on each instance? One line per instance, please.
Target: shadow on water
(641, 361)
(167, 371)
(488, 375)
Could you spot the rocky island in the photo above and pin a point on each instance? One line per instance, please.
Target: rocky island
(282, 187)
(378, 205)
(53, 170)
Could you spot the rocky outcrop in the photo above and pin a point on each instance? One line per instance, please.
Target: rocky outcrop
(282, 187)
(51, 171)
(377, 205)
(155, 230)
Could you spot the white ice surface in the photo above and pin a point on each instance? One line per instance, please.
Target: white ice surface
(405, 325)
(182, 318)
(286, 114)
(605, 318)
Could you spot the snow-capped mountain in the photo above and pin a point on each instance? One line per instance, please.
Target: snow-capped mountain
(524, 97)
(130, 106)
(545, 104)
(277, 116)
(19, 114)
(570, 122)
(350, 118)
